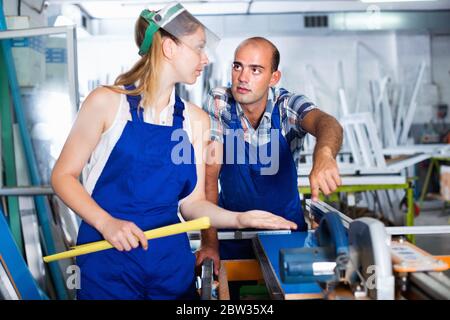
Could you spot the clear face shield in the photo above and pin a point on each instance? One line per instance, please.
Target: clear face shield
(177, 21)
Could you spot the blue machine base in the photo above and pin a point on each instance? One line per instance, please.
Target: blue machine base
(272, 244)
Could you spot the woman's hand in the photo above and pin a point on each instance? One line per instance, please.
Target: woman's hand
(263, 220)
(123, 235)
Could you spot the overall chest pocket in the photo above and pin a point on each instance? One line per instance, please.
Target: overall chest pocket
(153, 181)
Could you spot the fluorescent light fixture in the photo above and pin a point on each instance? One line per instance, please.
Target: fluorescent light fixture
(111, 10)
(216, 8)
(392, 1)
(371, 21)
(122, 10)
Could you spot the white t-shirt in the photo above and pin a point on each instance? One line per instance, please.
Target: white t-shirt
(99, 157)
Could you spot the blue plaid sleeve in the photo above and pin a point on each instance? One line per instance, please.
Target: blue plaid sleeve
(298, 106)
(217, 101)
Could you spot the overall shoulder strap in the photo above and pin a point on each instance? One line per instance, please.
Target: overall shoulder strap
(134, 101)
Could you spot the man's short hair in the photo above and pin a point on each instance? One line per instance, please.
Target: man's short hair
(275, 53)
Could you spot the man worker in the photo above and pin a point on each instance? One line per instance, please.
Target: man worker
(271, 119)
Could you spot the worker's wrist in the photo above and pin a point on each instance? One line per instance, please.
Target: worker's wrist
(324, 151)
(212, 245)
(101, 222)
(236, 220)
(209, 239)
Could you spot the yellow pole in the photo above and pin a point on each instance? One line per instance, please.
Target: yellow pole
(197, 224)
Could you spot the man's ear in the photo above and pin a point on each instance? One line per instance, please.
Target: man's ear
(168, 48)
(276, 76)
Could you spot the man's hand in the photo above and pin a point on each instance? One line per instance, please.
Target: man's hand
(208, 252)
(329, 134)
(324, 174)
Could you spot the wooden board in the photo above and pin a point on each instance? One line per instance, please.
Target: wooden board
(406, 257)
(242, 270)
(224, 292)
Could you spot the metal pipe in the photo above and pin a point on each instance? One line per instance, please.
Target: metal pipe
(27, 191)
(323, 208)
(31, 32)
(239, 235)
(395, 231)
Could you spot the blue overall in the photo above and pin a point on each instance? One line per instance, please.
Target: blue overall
(140, 183)
(243, 187)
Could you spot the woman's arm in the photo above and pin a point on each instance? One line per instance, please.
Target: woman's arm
(196, 205)
(94, 117)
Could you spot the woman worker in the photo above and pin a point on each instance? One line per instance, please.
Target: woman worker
(123, 140)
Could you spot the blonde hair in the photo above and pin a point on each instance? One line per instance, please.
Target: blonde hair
(146, 70)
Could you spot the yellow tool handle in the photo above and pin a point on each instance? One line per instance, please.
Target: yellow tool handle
(197, 224)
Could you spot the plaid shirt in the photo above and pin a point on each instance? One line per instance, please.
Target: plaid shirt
(293, 110)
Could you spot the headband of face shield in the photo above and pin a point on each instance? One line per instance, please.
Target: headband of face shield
(177, 21)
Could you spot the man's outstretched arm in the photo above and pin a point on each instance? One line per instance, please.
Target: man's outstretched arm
(329, 134)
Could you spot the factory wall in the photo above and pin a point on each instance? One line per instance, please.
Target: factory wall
(440, 60)
(310, 64)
